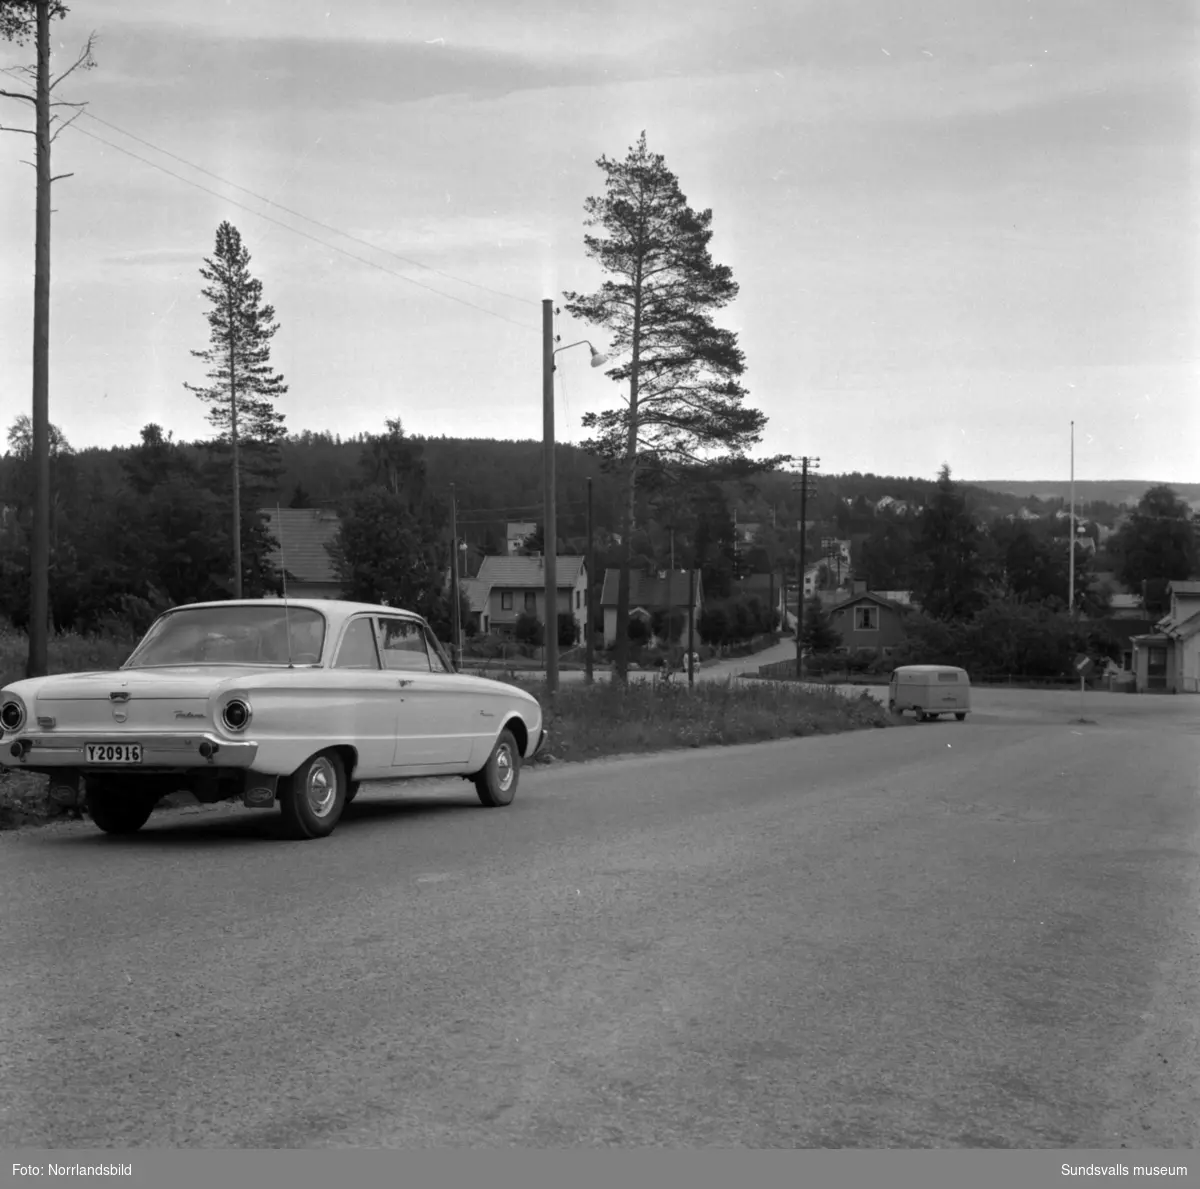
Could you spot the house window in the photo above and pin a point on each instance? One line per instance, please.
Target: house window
(506, 600)
(531, 601)
(578, 600)
(866, 619)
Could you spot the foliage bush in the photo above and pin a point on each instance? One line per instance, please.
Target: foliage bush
(734, 621)
(1006, 637)
(528, 629)
(568, 630)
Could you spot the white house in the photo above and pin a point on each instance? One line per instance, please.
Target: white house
(1168, 659)
(649, 592)
(517, 586)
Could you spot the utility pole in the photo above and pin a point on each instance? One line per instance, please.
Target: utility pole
(783, 589)
(549, 529)
(806, 464)
(589, 644)
(455, 624)
(692, 624)
(1071, 566)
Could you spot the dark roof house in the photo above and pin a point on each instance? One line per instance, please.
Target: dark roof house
(302, 534)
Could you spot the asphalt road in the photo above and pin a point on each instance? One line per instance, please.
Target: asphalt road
(979, 934)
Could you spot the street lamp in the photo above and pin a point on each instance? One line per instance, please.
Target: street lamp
(550, 515)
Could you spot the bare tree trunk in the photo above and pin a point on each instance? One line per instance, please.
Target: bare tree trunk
(39, 577)
(237, 473)
(621, 654)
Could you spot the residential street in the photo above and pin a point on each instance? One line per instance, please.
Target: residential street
(979, 935)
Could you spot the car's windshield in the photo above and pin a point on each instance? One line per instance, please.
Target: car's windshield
(233, 635)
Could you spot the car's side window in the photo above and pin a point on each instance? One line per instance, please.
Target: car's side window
(357, 649)
(435, 655)
(403, 643)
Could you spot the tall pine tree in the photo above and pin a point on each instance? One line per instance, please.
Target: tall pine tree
(949, 579)
(243, 386)
(682, 372)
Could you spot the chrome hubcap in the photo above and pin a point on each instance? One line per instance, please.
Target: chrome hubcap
(321, 787)
(504, 768)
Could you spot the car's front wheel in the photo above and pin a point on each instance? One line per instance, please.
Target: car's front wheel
(496, 782)
(313, 797)
(116, 811)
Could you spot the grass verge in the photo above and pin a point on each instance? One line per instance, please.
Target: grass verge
(609, 718)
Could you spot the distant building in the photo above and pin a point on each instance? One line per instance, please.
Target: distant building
(659, 590)
(302, 535)
(867, 620)
(516, 534)
(517, 586)
(1167, 660)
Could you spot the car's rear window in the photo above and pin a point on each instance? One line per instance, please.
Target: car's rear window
(233, 635)
(947, 675)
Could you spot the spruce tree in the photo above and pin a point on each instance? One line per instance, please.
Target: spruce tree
(243, 386)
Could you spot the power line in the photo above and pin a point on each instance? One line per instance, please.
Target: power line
(307, 218)
(296, 230)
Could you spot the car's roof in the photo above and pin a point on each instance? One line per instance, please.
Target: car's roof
(929, 669)
(333, 607)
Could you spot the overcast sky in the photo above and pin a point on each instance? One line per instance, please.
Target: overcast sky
(957, 224)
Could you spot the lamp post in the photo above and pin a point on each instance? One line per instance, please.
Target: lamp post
(550, 515)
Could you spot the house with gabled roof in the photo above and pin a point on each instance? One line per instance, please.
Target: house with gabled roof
(650, 591)
(301, 535)
(1167, 660)
(516, 586)
(478, 595)
(869, 620)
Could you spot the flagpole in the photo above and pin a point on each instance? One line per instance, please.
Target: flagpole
(1071, 594)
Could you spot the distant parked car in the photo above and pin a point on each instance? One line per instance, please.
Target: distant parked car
(266, 701)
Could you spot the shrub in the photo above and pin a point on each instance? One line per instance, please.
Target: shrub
(568, 630)
(638, 629)
(528, 629)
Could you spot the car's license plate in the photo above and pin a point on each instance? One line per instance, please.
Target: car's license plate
(114, 753)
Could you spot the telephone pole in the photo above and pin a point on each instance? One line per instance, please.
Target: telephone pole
(1071, 580)
(589, 643)
(806, 488)
(455, 623)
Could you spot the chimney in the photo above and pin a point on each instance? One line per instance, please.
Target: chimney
(860, 586)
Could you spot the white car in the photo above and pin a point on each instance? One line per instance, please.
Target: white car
(266, 700)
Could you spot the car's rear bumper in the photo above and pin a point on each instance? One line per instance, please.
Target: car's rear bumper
(199, 750)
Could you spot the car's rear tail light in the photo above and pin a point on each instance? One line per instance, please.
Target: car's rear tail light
(236, 714)
(12, 715)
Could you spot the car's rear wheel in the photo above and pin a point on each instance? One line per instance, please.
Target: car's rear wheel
(496, 782)
(960, 715)
(117, 811)
(312, 798)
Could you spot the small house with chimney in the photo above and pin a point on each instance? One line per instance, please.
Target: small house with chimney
(516, 586)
